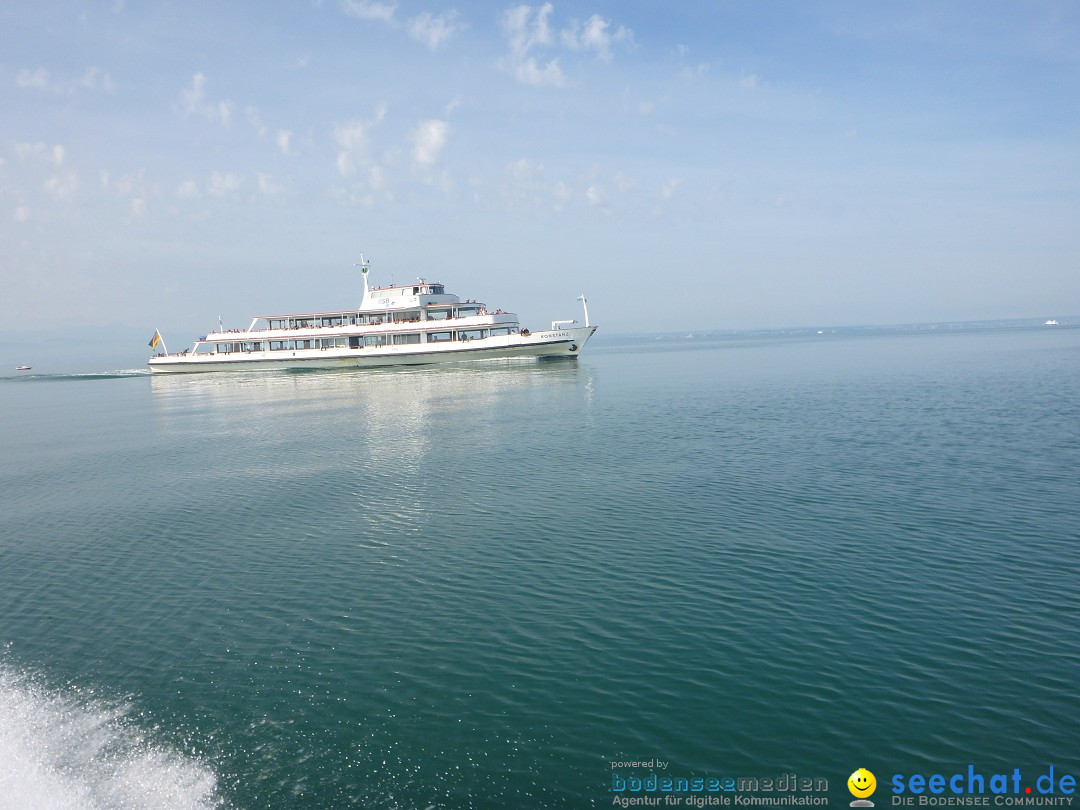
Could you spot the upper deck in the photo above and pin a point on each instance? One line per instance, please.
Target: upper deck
(383, 309)
(405, 296)
(382, 299)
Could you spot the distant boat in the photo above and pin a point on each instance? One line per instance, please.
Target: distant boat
(22, 368)
(1051, 323)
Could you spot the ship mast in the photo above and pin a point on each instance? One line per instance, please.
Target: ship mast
(363, 265)
(585, 304)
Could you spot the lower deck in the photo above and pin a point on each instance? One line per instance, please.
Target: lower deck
(556, 343)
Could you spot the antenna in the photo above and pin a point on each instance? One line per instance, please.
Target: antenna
(363, 264)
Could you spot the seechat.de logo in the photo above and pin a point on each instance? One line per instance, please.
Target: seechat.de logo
(974, 788)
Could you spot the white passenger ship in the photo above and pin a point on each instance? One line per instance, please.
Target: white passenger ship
(407, 324)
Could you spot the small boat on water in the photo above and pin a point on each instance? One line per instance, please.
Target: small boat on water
(404, 324)
(1051, 322)
(22, 368)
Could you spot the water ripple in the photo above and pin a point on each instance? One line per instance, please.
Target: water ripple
(478, 587)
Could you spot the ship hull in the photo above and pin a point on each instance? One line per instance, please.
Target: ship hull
(560, 343)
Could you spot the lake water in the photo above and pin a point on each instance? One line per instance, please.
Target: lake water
(494, 586)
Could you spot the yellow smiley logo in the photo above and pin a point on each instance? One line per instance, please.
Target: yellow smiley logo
(861, 783)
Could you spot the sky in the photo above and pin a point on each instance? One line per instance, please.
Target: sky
(686, 165)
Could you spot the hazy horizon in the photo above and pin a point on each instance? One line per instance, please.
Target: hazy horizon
(107, 349)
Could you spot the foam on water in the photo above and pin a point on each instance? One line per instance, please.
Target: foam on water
(69, 749)
(80, 375)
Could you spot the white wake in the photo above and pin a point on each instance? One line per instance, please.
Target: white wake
(70, 750)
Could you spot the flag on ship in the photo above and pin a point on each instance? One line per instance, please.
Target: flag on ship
(155, 340)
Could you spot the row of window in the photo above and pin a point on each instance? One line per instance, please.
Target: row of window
(357, 341)
(354, 318)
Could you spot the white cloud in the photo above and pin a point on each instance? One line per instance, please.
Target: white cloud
(624, 182)
(128, 184)
(594, 36)
(433, 29)
(188, 190)
(528, 71)
(370, 10)
(352, 141)
(524, 171)
(749, 81)
(426, 27)
(194, 97)
(528, 184)
(92, 79)
(40, 153)
(525, 182)
(22, 213)
(562, 194)
(428, 142)
(224, 185)
(63, 185)
(193, 101)
(271, 188)
(284, 139)
(668, 191)
(526, 31)
(523, 37)
(253, 117)
(33, 79)
(444, 182)
(377, 177)
(343, 195)
(138, 207)
(595, 195)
